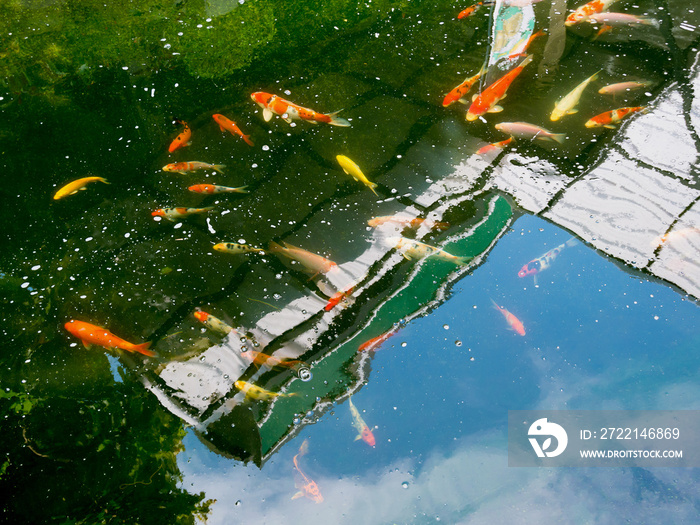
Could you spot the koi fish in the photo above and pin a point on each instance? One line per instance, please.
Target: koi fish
(213, 323)
(363, 431)
(412, 249)
(235, 248)
(457, 94)
(352, 169)
(609, 119)
(524, 130)
(543, 262)
(74, 187)
(256, 392)
(616, 89)
(494, 146)
(308, 488)
(259, 359)
(586, 10)
(173, 214)
(90, 334)
(183, 139)
(469, 11)
(193, 165)
(337, 297)
(230, 126)
(673, 236)
(567, 105)
(621, 19)
(373, 344)
(487, 100)
(311, 261)
(289, 111)
(407, 222)
(211, 189)
(513, 322)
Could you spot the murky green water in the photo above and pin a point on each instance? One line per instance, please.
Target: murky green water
(93, 436)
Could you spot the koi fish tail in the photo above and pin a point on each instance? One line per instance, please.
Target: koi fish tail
(102, 179)
(338, 121)
(247, 140)
(463, 261)
(495, 305)
(219, 168)
(143, 348)
(558, 137)
(373, 185)
(240, 189)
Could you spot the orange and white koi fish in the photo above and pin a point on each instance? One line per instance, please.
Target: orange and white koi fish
(363, 431)
(513, 322)
(609, 119)
(193, 165)
(260, 359)
(525, 130)
(235, 248)
(256, 392)
(183, 139)
(472, 9)
(487, 100)
(674, 236)
(213, 323)
(407, 222)
(374, 343)
(90, 334)
(337, 297)
(621, 20)
(457, 94)
(586, 10)
(352, 169)
(289, 111)
(211, 189)
(412, 249)
(228, 125)
(173, 214)
(308, 488)
(315, 263)
(543, 262)
(621, 87)
(567, 105)
(494, 146)
(74, 187)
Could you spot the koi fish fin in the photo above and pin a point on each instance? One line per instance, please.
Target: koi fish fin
(144, 349)
(406, 256)
(474, 96)
(558, 137)
(464, 260)
(80, 189)
(534, 279)
(267, 115)
(87, 345)
(610, 126)
(219, 168)
(299, 494)
(247, 140)
(337, 121)
(495, 109)
(358, 437)
(464, 101)
(288, 120)
(223, 129)
(572, 111)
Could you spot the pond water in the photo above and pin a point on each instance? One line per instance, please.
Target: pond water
(106, 436)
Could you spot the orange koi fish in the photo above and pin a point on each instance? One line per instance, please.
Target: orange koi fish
(407, 222)
(274, 105)
(609, 119)
(193, 165)
(374, 343)
(469, 11)
(91, 334)
(230, 126)
(494, 146)
(183, 139)
(339, 296)
(173, 214)
(585, 11)
(211, 189)
(311, 261)
(74, 187)
(513, 322)
(259, 359)
(457, 94)
(487, 100)
(213, 323)
(308, 488)
(363, 431)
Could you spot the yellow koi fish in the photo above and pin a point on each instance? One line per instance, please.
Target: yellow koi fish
(255, 392)
(412, 249)
(74, 187)
(355, 172)
(567, 105)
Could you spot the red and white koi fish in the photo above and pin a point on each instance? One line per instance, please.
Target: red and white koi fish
(363, 431)
(183, 139)
(513, 322)
(173, 214)
(90, 334)
(374, 343)
(270, 361)
(337, 297)
(211, 189)
(407, 222)
(213, 323)
(315, 263)
(586, 10)
(621, 87)
(235, 248)
(610, 119)
(621, 20)
(412, 249)
(457, 94)
(193, 165)
(543, 262)
(256, 392)
(525, 130)
(289, 111)
(487, 100)
(494, 146)
(228, 125)
(308, 488)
